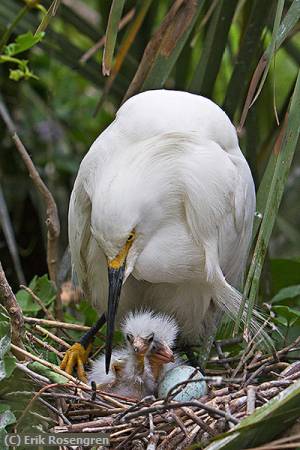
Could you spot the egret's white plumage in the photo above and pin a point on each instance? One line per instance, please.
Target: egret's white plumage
(170, 168)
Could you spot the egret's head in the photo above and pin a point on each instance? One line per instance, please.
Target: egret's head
(117, 226)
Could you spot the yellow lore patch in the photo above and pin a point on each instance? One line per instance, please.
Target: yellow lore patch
(119, 260)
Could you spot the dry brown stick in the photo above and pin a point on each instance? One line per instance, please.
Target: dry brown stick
(280, 353)
(49, 365)
(251, 397)
(129, 438)
(9, 301)
(56, 324)
(32, 400)
(77, 427)
(222, 357)
(51, 336)
(52, 219)
(38, 301)
(179, 422)
(176, 405)
(32, 374)
(43, 344)
(190, 413)
(55, 410)
(189, 440)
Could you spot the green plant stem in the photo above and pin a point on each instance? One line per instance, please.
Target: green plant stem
(7, 33)
(278, 183)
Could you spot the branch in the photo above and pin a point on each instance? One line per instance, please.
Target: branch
(52, 219)
(9, 301)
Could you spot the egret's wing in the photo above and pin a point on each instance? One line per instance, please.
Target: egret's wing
(219, 205)
(79, 231)
(235, 230)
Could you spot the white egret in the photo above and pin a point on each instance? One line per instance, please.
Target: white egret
(138, 367)
(163, 203)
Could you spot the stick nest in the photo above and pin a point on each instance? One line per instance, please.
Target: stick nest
(237, 385)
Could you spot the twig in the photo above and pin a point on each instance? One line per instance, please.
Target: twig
(11, 305)
(55, 410)
(52, 219)
(251, 396)
(129, 438)
(47, 364)
(230, 341)
(43, 344)
(52, 336)
(190, 413)
(56, 324)
(31, 373)
(280, 353)
(38, 301)
(222, 359)
(188, 440)
(176, 418)
(176, 405)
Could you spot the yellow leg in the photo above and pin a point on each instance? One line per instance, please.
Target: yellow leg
(76, 357)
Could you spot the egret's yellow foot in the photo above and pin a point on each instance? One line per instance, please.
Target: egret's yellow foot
(76, 356)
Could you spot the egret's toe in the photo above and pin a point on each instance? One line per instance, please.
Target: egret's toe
(76, 357)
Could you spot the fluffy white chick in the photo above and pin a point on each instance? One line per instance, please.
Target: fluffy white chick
(137, 368)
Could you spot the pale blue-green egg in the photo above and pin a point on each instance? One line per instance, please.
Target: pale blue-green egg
(178, 374)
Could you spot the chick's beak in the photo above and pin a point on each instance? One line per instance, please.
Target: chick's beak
(140, 345)
(163, 354)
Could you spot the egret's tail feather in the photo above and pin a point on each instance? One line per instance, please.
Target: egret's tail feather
(230, 300)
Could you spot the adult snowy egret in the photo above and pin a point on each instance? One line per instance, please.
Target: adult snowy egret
(137, 368)
(163, 203)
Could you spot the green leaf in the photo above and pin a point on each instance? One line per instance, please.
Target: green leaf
(89, 313)
(288, 313)
(47, 17)
(22, 43)
(43, 288)
(272, 46)
(213, 48)
(289, 292)
(164, 48)
(16, 391)
(6, 416)
(246, 56)
(7, 362)
(284, 272)
(43, 370)
(111, 34)
(281, 171)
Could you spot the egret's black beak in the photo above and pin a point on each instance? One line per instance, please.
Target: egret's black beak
(115, 279)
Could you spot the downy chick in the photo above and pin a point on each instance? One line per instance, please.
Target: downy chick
(137, 368)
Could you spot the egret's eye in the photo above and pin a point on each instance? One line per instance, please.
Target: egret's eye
(131, 237)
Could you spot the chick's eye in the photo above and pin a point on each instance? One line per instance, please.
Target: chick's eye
(150, 338)
(129, 337)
